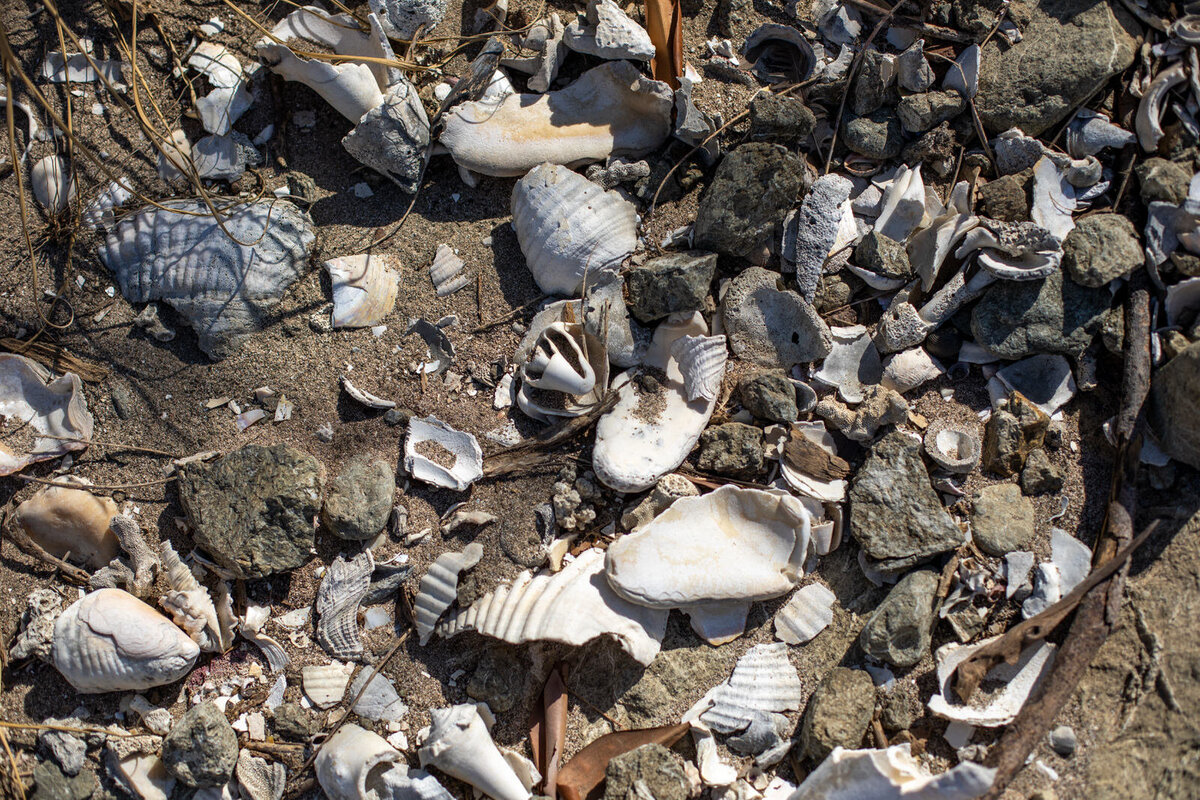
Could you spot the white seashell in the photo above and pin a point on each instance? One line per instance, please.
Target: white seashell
(364, 289)
(366, 398)
(222, 107)
(565, 373)
(459, 459)
(460, 746)
(439, 587)
(809, 612)
(351, 764)
(570, 229)
(81, 68)
(714, 555)
(110, 641)
(906, 370)
(633, 448)
(1001, 707)
(1012, 250)
(342, 590)
(190, 604)
(714, 770)
(446, 271)
(350, 87)
(608, 32)
(1072, 557)
(53, 186)
(74, 521)
(1181, 298)
(1044, 379)
(174, 157)
(890, 774)
(610, 110)
(953, 446)
(216, 63)
(1090, 132)
(1053, 199)
(143, 775)
(963, 75)
(259, 779)
(762, 680)
(380, 701)
(701, 361)
(827, 491)
(903, 205)
(573, 606)
(325, 685)
(852, 364)
(250, 627)
(929, 248)
(100, 213)
(1148, 123)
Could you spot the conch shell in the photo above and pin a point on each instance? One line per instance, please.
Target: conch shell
(459, 745)
(191, 606)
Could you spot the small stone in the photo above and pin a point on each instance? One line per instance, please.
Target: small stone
(671, 283)
(1040, 476)
(1014, 430)
(498, 679)
(769, 326)
(870, 86)
(122, 401)
(899, 630)
(936, 150)
(920, 112)
(879, 408)
(784, 120)
(201, 750)
(68, 750)
(838, 713)
(883, 256)
(877, 135)
(360, 498)
(898, 710)
(733, 449)
(913, 72)
(1002, 519)
(1015, 319)
(1062, 741)
(53, 784)
(1006, 198)
(1163, 181)
(769, 395)
(397, 416)
(650, 771)
(295, 722)
(1100, 249)
(835, 291)
(1175, 406)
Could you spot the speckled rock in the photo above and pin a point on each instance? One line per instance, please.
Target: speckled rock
(1162, 181)
(1039, 476)
(1013, 431)
(784, 120)
(1175, 406)
(499, 679)
(1101, 248)
(1015, 319)
(295, 723)
(733, 449)
(883, 256)
(769, 395)
(670, 283)
(360, 498)
(53, 784)
(201, 749)
(651, 766)
(920, 112)
(838, 713)
(1002, 519)
(898, 632)
(1005, 198)
(877, 135)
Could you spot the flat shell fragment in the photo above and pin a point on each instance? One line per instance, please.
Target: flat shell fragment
(890, 774)
(701, 361)
(763, 680)
(364, 289)
(44, 418)
(380, 701)
(853, 363)
(809, 612)
(436, 453)
(439, 587)
(325, 685)
(446, 271)
(1016, 683)
(63, 520)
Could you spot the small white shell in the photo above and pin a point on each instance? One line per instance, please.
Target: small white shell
(903, 205)
(250, 627)
(891, 774)
(190, 604)
(1053, 199)
(364, 289)
(953, 446)
(216, 63)
(110, 641)
(909, 369)
(1001, 708)
(570, 229)
(325, 685)
(701, 361)
(100, 212)
(565, 374)
(439, 587)
(808, 613)
(63, 520)
(366, 398)
(352, 763)
(1149, 114)
(53, 187)
(445, 271)
(762, 680)
(174, 157)
(852, 364)
(460, 449)
(460, 746)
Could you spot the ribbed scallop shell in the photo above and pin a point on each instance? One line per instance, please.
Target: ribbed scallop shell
(341, 591)
(439, 587)
(568, 226)
(325, 685)
(461, 447)
(808, 613)
(762, 680)
(252, 623)
(364, 289)
(223, 287)
(259, 779)
(573, 606)
(446, 271)
(110, 641)
(702, 362)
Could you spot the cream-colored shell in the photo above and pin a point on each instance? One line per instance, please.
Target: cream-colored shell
(352, 762)
(890, 774)
(53, 187)
(65, 520)
(325, 685)
(364, 289)
(763, 680)
(439, 587)
(467, 464)
(565, 374)
(46, 408)
(460, 746)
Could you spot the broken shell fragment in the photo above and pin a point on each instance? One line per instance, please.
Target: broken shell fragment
(366, 398)
(75, 521)
(446, 271)
(763, 680)
(1017, 682)
(191, 606)
(342, 590)
(1020, 251)
(364, 289)
(250, 627)
(890, 774)
(823, 479)
(110, 641)
(439, 587)
(701, 361)
(809, 612)
(903, 205)
(53, 413)
(852, 364)
(436, 453)
(953, 446)
(909, 369)
(53, 186)
(608, 32)
(259, 779)
(565, 374)
(1149, 114)
(460, 746)
(352, 763)
(326, 685)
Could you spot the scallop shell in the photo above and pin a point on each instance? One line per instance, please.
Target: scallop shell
(439, 587)
(259, 779)
(446, 271)
(762, 680)
(342, 589)
(52, 184)
(326, 685)
(74, 521)
(191, 606)
(222, 287)
(364, 289)
(909, 369)
(573, 606)
(565, 374)
(366, 398)
(460, 746)
(352, 763)
(953, 446)
(110, 641)
(380, 701)
(701, 361)
(809, 612)
(43, 408)
(891, 774)
(570, 229)
(467, 465)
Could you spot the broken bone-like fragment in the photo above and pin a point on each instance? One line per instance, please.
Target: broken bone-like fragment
(439, 587)
(890, 774)
(438, 454)
(545, 41)
(903, 205)
(63, 520)
(364, 289)
(460, 746)
(1019, 680)
(191, 606)
(929, 248)
(1150, 110)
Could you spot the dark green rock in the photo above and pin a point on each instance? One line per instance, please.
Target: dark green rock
(1006, 198)
(671, 283)
(784, 120)
(770, 396)
(360, 498)
(1015, 319)
(899, 631)
(838, 713)
(920, 112)
(1163, 181)
(883, 256)
(876, 135)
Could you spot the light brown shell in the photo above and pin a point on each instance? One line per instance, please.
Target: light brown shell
(71, 521)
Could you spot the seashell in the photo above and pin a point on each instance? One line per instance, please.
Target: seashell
(1182, 299)
(1148, 122)
(683, 558)
(908, 369)
(608, 32)
(1044, 379)
(100, 213)
(110, 641)
(762, 680)
(191, 606)
(1186, 29)
(366, 398)
(903, 205)
(439, 587)
(701, 361)
(633, 448)
(142, 775)
(380, 701)
(565, 374)
(326, 685)
(891, 774)
(364, 289)
(455, 460)
(1053, 199)
(1090, 132)
(963, 76)
(259, 779)
(573, 606)
(609, 110)
(446, 271)
(953, 446)
(806, 397)
(251, 625)
(441, 349)
(175, 157)
(570, 230)
(460, 746)
(53, 186)
(74, 521)
(44, 408)
(929, 248)
(216, 63)
(1013, 250)
(604, 315)
(779, 53)
(222, 286)
(352, 763)
(351, 87)
(342, 590)
(544, 42)
(1018, 682)
(852, 364)
(809, 612)
(827, 490)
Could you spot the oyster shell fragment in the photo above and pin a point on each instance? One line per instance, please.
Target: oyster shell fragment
(439, 587)
(191, 606)
(436, 453)
(364, 289)
(341, 592)
(48, 418)
(890, 774)
(565, 374)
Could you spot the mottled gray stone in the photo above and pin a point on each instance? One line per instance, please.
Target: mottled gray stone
(1100, 249)
(769, 395)
(1002, 519)
(769, 326)
(670, 283)
(201, 749)
(360, 498)
(898, 632)
(733, 449)
(838, 713)
(1015, 319)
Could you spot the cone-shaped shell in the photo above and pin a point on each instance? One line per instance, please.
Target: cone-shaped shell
(364, 289)
(110, 641)
(702, 363)
(891, 774)
(460, 746)
(65, 520)
(352, 762)
(566, 373)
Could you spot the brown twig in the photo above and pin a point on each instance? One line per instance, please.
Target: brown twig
(28, 546)
(100, 487)
(530, 452)
(516, 312)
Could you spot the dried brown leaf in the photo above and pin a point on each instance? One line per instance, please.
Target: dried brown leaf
(548, 728)
(585, 772)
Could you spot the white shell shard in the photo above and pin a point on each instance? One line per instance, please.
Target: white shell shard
(446, 271)
(110, 641)
(1044, 379)
(457, 459)
(216, 63)
(1016, 682)
(75, 521)
(53, 186)
(953, 446)
(565, 373)
(439, 587)
(352, 763)
(259, 779)
(190, 605)
(1017, 251)
(81, 68)
(714, 770)
(366, 398)
(570, 229)
(572, 606)
(929, 248)
(809, 612)
(762, 680)
(903, 205)
(963, 75)
(1181, 298)
(1071, 557)
(852, 364)
(909, 369)
(143, 775)
(610, 110)
(342, 590)
(174, 157)
(222, 287)
(1090, 132)
(1053, 199)
(350, 87)
(460, 746)
(890, 774)
(608, 32)
(364, 289)
(220, 108)
(250, 627)
(325, 685)
(101, 211)
(641, 439)
(701, 361)
(1149, 114)
(380, 701)
(827, 491)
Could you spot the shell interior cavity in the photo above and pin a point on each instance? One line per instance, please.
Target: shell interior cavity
(446, 271)
(565, 374)
(892, 774)
(46, 408)
(364, 289)
(325, 686)
(438, 454)
(75, 521)
(701, 361)
(763, 680)
(569, 228)
(809, 612)
(955, 447)
(439, 587)
(342, 589)
(222, 286)
(460, 745)
(351, 764)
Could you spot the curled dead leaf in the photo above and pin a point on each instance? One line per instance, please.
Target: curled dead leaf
(585, 772)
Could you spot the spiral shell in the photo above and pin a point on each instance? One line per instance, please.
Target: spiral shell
(191, 606)
(702, 362)
(460, 746)
(565, 374)
(364, 289)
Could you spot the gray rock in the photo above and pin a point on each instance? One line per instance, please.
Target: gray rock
(879, 408)
(733, 449)
(770, 326)
(813, 230)
(1040, 476)
(838, 713)
(1162, 181)
(883, 256)
(899, 630)
(253, 510)
(1013, 431)
(741, 212)
(652, 769)
(920, 112)
(392, 137)
(1062, 741)
(898, 710)
(765, 732)
(607, 32)
(401, 18)
(295, 723)
(1101, 248)
(1002, 519)
(68, 750)
(895, 515)
(201, 749)
(776, 118)
(913, 72)
(499, 679)
(360, 498)
(936, 150)
(1068, 50)
(122, 401)
(670, 283)
(877, 135)
(769, 395)
(1015, 319)
(1175, 406)
(870, 86)
(1005, 198)
(53, 784)
(397, 416)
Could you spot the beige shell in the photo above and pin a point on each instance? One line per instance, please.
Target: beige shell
(258, 778)
(762, 680)
(460, 746)
(53, 186)
(891, 774)
(353, 763)
(364, 289)
(808, 613)
(446, 271)
(71, 521)
(46, 408)
(325, 685)
(439, 587)
(191, 606)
